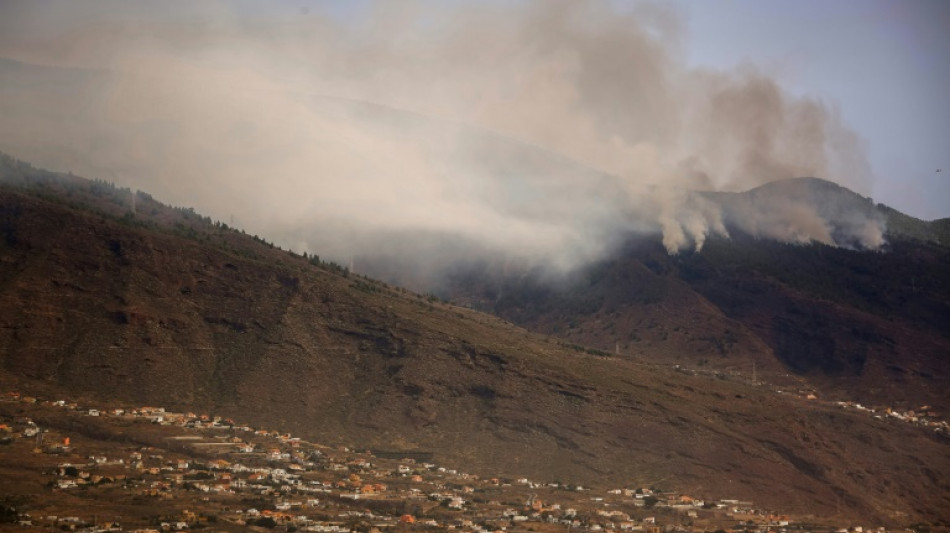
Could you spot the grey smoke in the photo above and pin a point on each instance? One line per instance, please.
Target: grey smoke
(536, 129)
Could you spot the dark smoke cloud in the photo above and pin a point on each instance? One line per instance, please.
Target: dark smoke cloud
(534, 129)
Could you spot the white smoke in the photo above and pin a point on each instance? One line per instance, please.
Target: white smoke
(537, 129)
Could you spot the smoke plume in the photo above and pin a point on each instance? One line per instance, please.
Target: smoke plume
(535, 129)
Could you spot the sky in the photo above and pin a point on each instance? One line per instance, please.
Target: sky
(883, 64)
(535, 127)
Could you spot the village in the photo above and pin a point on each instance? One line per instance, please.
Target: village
(924, 416)
(214, 474)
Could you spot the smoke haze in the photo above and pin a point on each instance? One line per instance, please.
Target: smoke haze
(536, 129)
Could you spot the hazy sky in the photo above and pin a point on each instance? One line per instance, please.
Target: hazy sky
(885, 64)
(542, 127)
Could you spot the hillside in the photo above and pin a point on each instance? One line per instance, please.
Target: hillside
(161, 306)
(871, 325)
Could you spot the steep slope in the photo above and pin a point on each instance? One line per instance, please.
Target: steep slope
(164, 307)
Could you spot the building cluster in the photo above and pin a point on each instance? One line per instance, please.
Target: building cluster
(923, 416)
(210, 467)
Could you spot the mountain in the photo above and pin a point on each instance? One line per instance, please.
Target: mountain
(109, 294)
(871, 325)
